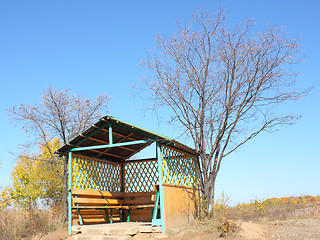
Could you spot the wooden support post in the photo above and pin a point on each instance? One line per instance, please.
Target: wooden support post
(70, 194)
(160, 186)
(110, 134)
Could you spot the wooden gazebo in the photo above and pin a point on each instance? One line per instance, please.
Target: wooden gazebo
(106, 185)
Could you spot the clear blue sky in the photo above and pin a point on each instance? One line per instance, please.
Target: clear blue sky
(95, 47)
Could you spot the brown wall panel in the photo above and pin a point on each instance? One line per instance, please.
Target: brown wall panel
(180, 205)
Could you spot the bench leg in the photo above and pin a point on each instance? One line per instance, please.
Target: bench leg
(107, 216)
(128, 215)
(111, 216)
(80, 218)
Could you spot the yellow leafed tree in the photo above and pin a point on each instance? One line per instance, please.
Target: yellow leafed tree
(35, 178)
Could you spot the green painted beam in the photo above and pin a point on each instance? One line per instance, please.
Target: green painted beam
(158, 153)
(112, 145)
(85, 138)
(156, 222)
(128, 215)
(70, 195)
(110, 134)
(155, 209)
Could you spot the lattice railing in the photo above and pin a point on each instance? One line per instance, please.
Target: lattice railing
(178, 167)
(140, 176)
(95, 174)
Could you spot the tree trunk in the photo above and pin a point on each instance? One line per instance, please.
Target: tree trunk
(209, 195)
(65, 189)
(211, 198)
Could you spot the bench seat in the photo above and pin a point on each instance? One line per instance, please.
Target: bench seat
(87, 203)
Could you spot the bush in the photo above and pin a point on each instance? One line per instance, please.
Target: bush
(18, 223)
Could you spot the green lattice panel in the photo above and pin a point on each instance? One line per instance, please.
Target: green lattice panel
(140, 176)
(178, 167)
(95, 174)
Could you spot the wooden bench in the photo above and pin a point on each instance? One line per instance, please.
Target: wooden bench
(93, 206)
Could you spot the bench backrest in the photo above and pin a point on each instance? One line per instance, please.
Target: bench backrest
(82, 197)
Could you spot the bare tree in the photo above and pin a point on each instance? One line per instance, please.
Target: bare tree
(63, 115)
(222, 85)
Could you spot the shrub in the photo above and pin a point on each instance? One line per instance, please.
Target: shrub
(18, 223)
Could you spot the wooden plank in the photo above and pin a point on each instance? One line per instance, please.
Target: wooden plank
(141, 160)
(89, 216)
(181, 205)
(98, 193)
(141, 215)
(98, 220)
(153, 198)
(142, 206)
(90, 212)
(91, 201)
(94, 216)
(138, 194)
(94, 221)
(183, 187)
(138, 201)
(100, 207)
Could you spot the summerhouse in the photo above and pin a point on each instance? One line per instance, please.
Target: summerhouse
(108, 184)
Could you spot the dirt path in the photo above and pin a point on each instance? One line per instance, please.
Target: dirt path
(297, 229)
(253, 231)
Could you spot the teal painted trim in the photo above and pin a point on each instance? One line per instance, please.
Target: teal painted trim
(160, 187)
(156, 222)
(85, 138)
(128, 215)
(107, 215)
(156, 204)
(80, 218)
(78, 210)
(70, 195)
(106, 211)
(110, 134)
(111, 215)
(112, 145)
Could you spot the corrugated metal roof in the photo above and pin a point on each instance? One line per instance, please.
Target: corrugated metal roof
(98, 134)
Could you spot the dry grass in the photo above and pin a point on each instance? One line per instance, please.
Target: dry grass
(205, 228)
(277, 209)
(270, 209)
(223, 222)
(21, 224)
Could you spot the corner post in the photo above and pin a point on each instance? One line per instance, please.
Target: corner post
(110, 134)
(70, 195)
(160, 186)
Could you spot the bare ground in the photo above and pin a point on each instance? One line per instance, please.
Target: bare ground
(292, 229)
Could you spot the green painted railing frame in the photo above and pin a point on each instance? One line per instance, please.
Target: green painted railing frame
(70, 194)
(162, 217)
(112, 145)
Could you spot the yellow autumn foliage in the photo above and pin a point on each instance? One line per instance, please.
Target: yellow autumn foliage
(35, 178)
